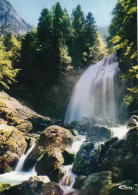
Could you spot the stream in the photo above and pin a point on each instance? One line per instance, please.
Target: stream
(67, 182)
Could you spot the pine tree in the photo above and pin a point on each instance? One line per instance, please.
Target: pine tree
(78, 41)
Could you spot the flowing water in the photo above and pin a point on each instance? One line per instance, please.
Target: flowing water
(97, 93)
(68, 179)
(18, 176)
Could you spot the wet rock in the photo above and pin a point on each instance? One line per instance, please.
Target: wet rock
(12, 147)
(79, 182)
(124, 188)
(97, 184)
(35, 187)
(98, 133)
(50, 163)
(43, 179)
(86, 159)
(68, 157)
(129, 158)
(133, 121)
(52, 137)
(110, 154)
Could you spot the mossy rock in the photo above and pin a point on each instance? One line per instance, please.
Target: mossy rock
(56, 136)
(124, 188)
(79, 182)
(51, 137)
(86, 159)
(19, 116)
(4, 186)
(12, 147)
(129, 158)
(35, 187)
(50, 163)
(97, 184)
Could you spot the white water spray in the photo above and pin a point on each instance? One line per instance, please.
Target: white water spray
(18, 176)
(20, 164)
(96, 93)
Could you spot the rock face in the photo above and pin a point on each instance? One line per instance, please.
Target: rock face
(97, 184)
(86, 160)
(34, 187)
(10, 21)
(98, 133)
(12, 146)
(15, 114)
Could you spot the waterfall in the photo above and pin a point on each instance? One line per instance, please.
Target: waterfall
(22, 159)
(18, 176)
(97, 92)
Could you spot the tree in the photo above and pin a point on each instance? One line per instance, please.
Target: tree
(7, 71)
(12, 44)
(53, 32)
(78, 42)
(93, 41)
(123, 36)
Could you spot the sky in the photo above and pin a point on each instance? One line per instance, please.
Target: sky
(30, 10)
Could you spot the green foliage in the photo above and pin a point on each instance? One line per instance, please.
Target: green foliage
(7, 71)
(60, 44)
(123, 36)
(13, 44)
(85, 43)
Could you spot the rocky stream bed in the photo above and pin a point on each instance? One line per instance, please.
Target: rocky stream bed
(41, 157)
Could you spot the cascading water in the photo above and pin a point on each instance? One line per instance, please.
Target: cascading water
(20, 164)
(18, 176)
(68, 186)
(97, 92)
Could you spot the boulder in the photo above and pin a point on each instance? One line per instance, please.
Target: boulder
(133, 121)
(50, 163)
(34, 187)
(55, 136)
(124, 188)
(52, 137)
(121, 157)
(12, 147)
(79, 182)
(110, 154)
(129, 158)
(97, 184)
(98, 133)
(86, 159)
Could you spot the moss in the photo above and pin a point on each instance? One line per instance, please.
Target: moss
(12, 146)
(4, 186)
(97, 184)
